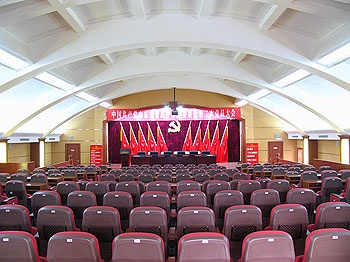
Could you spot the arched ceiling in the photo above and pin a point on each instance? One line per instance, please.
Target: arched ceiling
(113, 48)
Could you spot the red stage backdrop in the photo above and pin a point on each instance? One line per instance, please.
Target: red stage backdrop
(218, 126)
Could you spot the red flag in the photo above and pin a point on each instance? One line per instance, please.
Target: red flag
(206, 138)
(143, 146)
(123, 139)
(152, 144)
(133, 142)
(188, 139)
(223, 149)
(215, 142)
(160, 140)
(197, 143)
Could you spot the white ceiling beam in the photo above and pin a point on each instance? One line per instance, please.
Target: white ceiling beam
(204, 9)
(107, 59)
(269, 15)
(238, 57)
(137, 6)
(68, 14)
(9, 2)
(335, 12)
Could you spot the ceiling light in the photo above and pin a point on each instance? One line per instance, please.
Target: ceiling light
(54, 81)
(292, 78)
(105, 104)
(336, 56)
(87, 97)
(261, 93)
(11, 60)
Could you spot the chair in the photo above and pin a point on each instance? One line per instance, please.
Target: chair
(307, 175)
(321, 168)
(296, 169)
(182, 176)
(15, 218)
(162, 186)
(3, 177)
(282, 186)
(17, 188)
(223, 200)
(201, 177)
(135, 172)
(108, 177)
(194, 219)
(73, 246)
(126, 177)
(305, 197)
(257, 171)
(328, 173)
(13, 241)
(309, 168)
(269, 246)
(221, 177)
(187, 185)
(44, 198)
(263, 182)
(247, 187)
(331, 215)
(23, 171)
(131, 187)
(38, 171)
(19, 176)
(123, 202)
(78, 201)
(345, 173)
(149, 219)
(325, 245)
(290, 218)
(330, 185)
(145, 178)
(91, 172)
(266, 200)
(7, 200)
(64, 188)
(138, 247)
(164, 177)
(104, 223)
(191, 198)
(240, 221)
(39, 178)
(213, 187)
(278, 171)
(51, 220)
(205, 246)
(99, 188)
(141, 153)
(153, 153)
(70, 175)
(240, 176)
(116, 172)
(157, 199)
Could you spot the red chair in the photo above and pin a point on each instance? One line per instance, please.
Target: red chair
(324, 245)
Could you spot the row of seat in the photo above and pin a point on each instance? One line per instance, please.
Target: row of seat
(322, 245)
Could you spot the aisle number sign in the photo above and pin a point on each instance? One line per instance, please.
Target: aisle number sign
(252, 153)
(96, 154)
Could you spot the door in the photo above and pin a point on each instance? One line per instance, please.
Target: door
(73, 152)
(275, 151)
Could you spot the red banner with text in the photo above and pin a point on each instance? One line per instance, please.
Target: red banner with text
(96, 154)
(115, 114)
(252, 153)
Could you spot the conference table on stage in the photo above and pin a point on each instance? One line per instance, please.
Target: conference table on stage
(173, 159)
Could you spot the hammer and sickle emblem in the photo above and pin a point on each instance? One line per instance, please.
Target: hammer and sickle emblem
(174, 126)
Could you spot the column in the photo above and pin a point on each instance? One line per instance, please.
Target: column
(344, 149)
(306, 149)
(41, 152)
(3, 150)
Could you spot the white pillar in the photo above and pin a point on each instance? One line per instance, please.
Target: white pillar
(306, 150)
(41, 152)
(344, 149)
(3, 150)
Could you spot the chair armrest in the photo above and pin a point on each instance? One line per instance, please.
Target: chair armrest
(336, 198)
(11, 200)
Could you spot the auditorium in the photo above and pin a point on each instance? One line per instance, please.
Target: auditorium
(175, 130)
